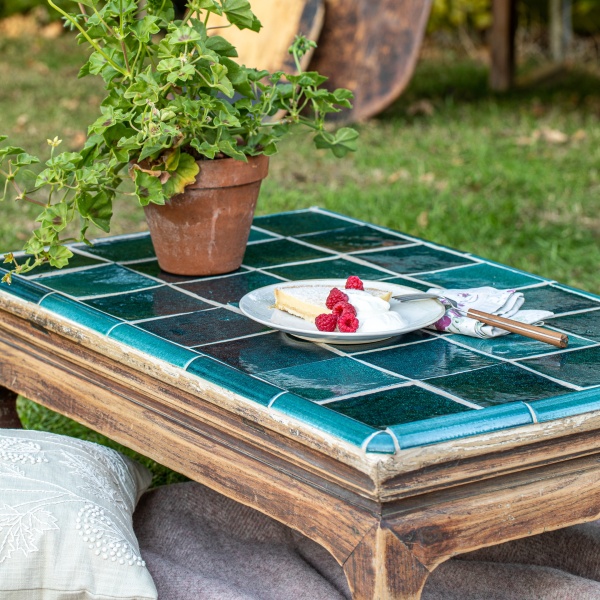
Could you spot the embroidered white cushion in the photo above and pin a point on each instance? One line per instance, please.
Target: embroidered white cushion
(66, 520)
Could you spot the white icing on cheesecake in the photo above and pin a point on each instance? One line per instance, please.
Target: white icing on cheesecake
(373, 313)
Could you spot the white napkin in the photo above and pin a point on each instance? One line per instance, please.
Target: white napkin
(504, 303)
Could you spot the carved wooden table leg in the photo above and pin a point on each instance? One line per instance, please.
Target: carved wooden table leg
(383, 568)
(9, 419)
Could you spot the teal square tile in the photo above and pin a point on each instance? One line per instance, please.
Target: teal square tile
(574, 403)
(395, 406)
(153, 345)
(229, 290)
(76, 261)
(498, 385)
(258, 236)
(121, 249)
(151, 268)
(279, 252)
(26, 290)
(329, 378)
(203, 327)
(557, 300)
(354, 238)
(517, 346)
(267, 352)
(233, 380)
(586, 324)
(414, 259)
(324, 419)
(580, 367)
(297, 223)
(417, 285)
(336, 268)
(433, 358)
(480, 275)
(98, 281)
(79, 313)
(460, 425)
(419, 335)
(147, 304)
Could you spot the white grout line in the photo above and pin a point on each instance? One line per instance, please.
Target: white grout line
(441, 392)
(531, 412)
(114, 327)
(121, 293)
(394, 439)
(275, 397)
(359, 393)
(45, 296)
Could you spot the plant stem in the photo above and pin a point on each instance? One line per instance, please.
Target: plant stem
(90, 41)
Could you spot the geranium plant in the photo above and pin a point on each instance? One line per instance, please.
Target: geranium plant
(175, 96)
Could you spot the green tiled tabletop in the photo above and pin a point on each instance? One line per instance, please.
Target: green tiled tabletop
(420, 388)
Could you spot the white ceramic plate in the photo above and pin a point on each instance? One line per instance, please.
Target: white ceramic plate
(258, 306)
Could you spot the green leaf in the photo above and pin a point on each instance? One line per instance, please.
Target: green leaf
(148, 188)
(204, 148)
(98, 209)
(221, 81)
(36, 243)
(54, 217)
(183, 35)
(163, 9)
(239, 77)
(58, 256)
(25, 159)
(90, 3)
(3, 137)
(221, 46)
(209, 5)
(10, 151)
(149, 148)
(186, 172)
(340, 144)
(145, 28)
(238, 13)
(172, 161)
(227, 147)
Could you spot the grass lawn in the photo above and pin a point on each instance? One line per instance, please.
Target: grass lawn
(513, 177)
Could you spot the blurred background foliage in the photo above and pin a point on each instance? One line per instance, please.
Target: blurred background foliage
(475, 15)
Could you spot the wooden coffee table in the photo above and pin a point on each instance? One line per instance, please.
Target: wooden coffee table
(394, 456)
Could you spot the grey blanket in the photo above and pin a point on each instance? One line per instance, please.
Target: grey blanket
(200, 545)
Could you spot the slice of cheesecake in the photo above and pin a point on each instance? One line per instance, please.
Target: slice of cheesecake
(308, 301)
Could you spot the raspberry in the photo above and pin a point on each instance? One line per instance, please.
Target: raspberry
(326, 322)
(347, 323)
(342, 307)
(354, 283)
(334, 297)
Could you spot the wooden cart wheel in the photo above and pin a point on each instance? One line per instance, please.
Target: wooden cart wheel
(370, 47)
(282, 21)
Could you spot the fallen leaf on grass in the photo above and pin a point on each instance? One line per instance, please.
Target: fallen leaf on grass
(52, 30)
(397, 175)
(421, 107)
(77, 140)
(545, 134)
(423, 219)
(70, 104)
(553, 136)
(579, 135)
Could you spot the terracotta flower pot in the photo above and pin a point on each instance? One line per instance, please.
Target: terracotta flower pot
(204, 231)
